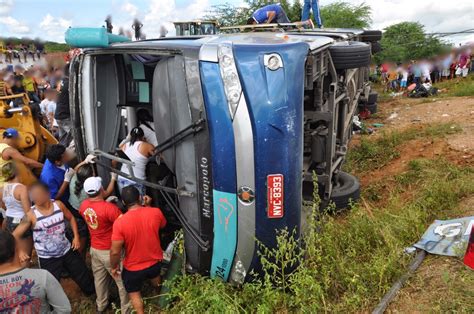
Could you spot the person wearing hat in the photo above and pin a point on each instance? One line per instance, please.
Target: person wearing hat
(77, 195)
(9, 152)
(100, 216)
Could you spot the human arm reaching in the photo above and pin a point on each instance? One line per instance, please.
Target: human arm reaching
(12, 153)
(76, 243)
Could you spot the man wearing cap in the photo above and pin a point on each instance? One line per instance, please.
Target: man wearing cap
(100, 217)
(9, 152)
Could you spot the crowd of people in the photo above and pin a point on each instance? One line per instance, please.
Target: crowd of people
(61, 215)
(23, 52)
(398, 77)
(68, 213)
(46, 87)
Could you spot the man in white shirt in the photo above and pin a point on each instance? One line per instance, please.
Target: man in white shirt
(48, 106)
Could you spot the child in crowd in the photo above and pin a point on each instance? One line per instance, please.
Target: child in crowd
(47, 219)
(392, 79)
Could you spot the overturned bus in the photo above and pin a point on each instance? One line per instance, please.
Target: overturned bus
(242, 120)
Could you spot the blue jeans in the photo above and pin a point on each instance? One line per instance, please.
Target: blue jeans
(308, 5)
(281, 18)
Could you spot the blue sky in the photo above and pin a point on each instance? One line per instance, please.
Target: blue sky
(48, 19)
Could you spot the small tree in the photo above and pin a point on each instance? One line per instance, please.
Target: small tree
(345, 15)
(408, 40)
(295, 11)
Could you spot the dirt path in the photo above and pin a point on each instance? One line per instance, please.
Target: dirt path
(403, 113)
(438, 277)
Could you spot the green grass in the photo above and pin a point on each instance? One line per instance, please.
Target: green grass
(377, 152)
(453, 283)
(457, 87)
(348, 263)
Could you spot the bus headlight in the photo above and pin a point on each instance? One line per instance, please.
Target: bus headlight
(230, 77)
(273, 61)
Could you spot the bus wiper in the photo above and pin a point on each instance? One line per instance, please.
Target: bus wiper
(180, 136)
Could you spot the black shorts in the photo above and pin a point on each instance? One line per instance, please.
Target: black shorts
(73, 263)
(11, 226)
(133, 280)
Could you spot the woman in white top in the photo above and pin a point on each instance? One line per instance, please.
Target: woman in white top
(145, 122)
(138, 151)
(15, 199)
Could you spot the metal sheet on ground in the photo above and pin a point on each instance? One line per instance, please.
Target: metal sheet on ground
(447, 237)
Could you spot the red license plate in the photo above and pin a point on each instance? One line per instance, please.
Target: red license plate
(275, 195)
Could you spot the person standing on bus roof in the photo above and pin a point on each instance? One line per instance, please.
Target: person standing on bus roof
(314, 6)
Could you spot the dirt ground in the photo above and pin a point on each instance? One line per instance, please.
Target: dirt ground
(438, 276)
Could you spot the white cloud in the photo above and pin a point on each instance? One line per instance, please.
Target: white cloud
(14, 26)
(130, 9)
(54, 28)
(166, 12)
(5, 7)
(160, 13)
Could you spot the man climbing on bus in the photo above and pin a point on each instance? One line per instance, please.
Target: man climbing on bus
(272, 13)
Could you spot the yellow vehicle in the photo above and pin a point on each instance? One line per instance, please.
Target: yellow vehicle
(198, 27)
(34, 138)
(3, 48)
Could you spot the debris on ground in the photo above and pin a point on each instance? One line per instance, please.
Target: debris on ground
(359, 127)
(393, 94)
(393, 116)
(447, 237)
(423, 90)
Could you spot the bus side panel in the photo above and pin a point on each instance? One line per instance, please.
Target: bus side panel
(223, 171)
(202, 149)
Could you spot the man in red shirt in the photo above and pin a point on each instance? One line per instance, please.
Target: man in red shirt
(137, 231)
(100, 217)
